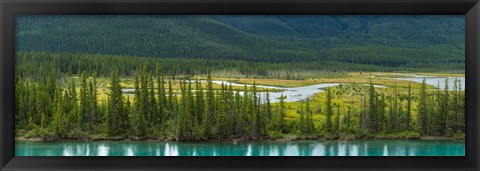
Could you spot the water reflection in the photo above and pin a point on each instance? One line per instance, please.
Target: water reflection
(297, 148)
(103, 150)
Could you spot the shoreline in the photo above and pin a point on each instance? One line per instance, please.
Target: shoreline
(236, 140)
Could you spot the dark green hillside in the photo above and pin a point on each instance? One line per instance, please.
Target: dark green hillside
(389, 41)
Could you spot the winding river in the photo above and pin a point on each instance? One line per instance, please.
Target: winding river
(293, 94)
(435, 80)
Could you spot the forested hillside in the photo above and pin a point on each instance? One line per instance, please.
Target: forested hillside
(402, 42)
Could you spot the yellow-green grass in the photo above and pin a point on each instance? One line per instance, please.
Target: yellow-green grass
(347, 79)
(443, 74)
(378, 78)
(404, 74)
(345, 95)
(317, 99)
(129, 83)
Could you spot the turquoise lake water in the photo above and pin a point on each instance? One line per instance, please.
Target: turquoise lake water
(290, 148)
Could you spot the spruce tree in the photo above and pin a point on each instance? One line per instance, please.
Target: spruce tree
(182, 129)
(220, 118)
(282, 114)
(171, 99)
(422, 109)
(337, 119)
(210, 108)
(94, 96)
(200, 103)
(245, 111)
(116, 116)
(301, 123)
(138, 113)
(408, 120)
(91, 108)
(254, 112)
(328, 112)
(372, 108)
(381, 113)
(144, 96)
(84, 106)
(153, 109)
(162, 101)
(57, 123)
(445, 110)
(309, 117)
(269, 107)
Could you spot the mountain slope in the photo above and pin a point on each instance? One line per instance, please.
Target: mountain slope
(393, 41)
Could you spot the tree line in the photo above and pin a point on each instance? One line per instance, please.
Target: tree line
(50, 110)
(37, 65)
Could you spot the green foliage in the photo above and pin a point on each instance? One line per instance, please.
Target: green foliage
(423, 42)
(329, 113)
(192, 116)
(54, 49)
(422, 110)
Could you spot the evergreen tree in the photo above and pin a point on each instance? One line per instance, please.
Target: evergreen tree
(245, 111)
(162, 101)
(116, 117)
(90, 107)
(210, 108)
(444, 109)
(153, 109)
(238, 114)
(408, 120)
(220, 118)
(139, 118)
(72, 107)
(301, 124)
(422, 109)
(458, 108)
(84, 106)
(57, 123)
(144, 96)
(337, 119)
(94, 100)
(170, 106)
(183, 121)
(269, 107)
(200, 103)
(282, 114)
(372, 108)
(131, 117)
(254, 112)
(381, 118)
(328, 112)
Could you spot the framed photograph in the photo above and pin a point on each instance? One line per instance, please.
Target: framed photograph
(256, 84)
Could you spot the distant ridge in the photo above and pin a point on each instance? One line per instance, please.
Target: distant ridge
(392, 41)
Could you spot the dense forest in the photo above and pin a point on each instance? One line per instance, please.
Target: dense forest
(34, 64)
(354, 43)
(46, 110)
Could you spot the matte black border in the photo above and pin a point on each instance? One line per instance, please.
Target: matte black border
(11, 8)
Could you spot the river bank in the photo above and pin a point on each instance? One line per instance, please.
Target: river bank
(248, 139)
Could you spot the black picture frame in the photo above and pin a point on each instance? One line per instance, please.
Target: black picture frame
(11, 8)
